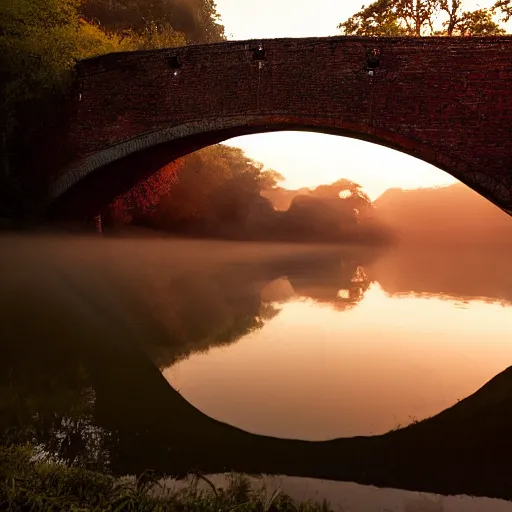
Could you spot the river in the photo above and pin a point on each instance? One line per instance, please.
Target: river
(283, 340)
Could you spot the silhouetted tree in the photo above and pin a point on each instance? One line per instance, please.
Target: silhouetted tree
(216, 185)
(269, 179)
(418, 18)
(505, 6)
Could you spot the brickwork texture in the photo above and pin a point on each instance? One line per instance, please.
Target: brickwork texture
(447, 101)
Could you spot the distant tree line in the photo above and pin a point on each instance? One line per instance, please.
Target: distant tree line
(219, 192)
(218, 184)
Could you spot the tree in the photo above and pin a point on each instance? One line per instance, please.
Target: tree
(418, 18)
(452, 10)
(417, 15)
(334, 212)
(40, 42)
(378, 19)
(144, 198)
(155, 36)
(478, 23)
(269, 179)
(467, 23)
(207, 26)
(216, 185)
(505, 6)
(392, 18)
(349, 196)
(197, 19)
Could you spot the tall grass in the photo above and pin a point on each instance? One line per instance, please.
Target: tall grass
(28, 483)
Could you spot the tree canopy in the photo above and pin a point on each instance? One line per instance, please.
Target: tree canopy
(40, 43)
(197, 19)
(41, 40)
(422, 18)
(505, 6)
(220, 192)
(218, 183)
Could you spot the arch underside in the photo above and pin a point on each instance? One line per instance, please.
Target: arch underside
(89, 185)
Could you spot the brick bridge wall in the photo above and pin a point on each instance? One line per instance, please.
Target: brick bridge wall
(447, 101)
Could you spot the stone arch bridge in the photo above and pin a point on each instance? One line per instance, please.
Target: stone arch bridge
(447, 101)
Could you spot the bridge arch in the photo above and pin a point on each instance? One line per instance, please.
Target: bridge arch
(430, 98)
(112, 171)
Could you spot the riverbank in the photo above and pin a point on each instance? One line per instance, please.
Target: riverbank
(28, 482)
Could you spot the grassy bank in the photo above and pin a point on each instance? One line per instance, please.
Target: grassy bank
(28, 482)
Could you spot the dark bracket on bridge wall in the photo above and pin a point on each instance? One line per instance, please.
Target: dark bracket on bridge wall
(255, 51)
(174, 62)
(372, 58)
(258, 54)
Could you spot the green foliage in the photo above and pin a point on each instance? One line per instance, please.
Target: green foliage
(29, 483)
(418, 17)
(155, 36)
(391, 18)
(197, 19)
(40, 42)
(478, 23)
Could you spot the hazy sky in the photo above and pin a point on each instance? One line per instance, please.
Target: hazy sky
(309, 159)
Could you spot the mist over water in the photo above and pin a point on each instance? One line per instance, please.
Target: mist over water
(129, 289)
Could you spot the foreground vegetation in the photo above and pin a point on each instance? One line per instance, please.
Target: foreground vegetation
(27, 483)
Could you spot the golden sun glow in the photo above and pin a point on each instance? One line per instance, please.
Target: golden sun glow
(311, 159)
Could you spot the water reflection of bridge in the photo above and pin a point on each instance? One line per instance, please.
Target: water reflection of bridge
(96, 396)
(147, 424)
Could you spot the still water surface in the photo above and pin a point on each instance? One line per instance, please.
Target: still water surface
(290, 341)
(428, 330)
(319, 371)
